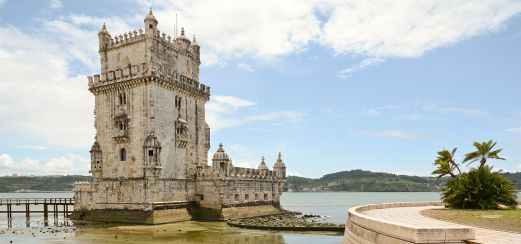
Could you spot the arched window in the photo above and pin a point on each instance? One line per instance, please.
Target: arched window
(122, 154)
(122, 99)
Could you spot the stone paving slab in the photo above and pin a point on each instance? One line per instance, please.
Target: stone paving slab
(411, 216)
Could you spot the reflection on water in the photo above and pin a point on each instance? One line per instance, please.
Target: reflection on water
(186, 232)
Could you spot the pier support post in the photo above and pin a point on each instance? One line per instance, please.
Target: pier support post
(27, 210)
(9, 211)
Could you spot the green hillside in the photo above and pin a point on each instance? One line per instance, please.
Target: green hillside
(367, 181)
(40, 183)
(353, 180)
(360, 180)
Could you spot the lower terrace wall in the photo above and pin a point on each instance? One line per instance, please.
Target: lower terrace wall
(131, 193)
(154, 201)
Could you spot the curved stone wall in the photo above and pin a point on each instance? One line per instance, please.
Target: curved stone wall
(364, 229)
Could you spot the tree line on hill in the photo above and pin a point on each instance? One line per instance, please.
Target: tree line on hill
(367, 181)
(353, 180)
(40, 183)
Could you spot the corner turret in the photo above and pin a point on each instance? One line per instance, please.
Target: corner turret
(150, 24)
(104, 42)
(221, 162)
(96, 164)
(152, 151)
(280, 168)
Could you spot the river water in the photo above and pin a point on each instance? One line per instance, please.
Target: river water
(333, 205)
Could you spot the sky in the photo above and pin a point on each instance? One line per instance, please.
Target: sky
(377, 85)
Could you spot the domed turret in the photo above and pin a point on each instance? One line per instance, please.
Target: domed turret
(150, 24)
(262, 165)
(196, 48)
(150, 17)
(96, 164)
(194, 43)
(95, 147)
(280, 168)
(183, 40)
(104, 38)
(103, 30)
(220, 155)
(221, 162)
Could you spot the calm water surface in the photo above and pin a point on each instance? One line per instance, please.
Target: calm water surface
(333, 205)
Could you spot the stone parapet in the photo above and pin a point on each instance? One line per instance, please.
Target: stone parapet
(361, 228)
(208, 172)
(139, 71)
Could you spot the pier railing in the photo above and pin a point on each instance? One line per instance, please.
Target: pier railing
(35, 201)
(55, 206)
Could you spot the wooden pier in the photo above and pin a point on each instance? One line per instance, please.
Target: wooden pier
(55, 206)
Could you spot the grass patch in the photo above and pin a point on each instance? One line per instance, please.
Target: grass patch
(504, 219)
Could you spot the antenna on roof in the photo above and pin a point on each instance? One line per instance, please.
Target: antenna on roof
(175, 32)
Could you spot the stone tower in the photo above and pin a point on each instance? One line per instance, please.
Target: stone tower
(149, 105)
(149, 158)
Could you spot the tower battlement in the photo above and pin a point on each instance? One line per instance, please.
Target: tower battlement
(148, 52)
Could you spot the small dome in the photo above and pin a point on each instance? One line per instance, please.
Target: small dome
(103, 30)
(220, 155)
(95, 147)
(152, 141)
(194, 42)
(182, 36)
(279, 163)
(262, 165)
(150, 16)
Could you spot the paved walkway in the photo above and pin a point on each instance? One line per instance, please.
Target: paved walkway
(411, 216)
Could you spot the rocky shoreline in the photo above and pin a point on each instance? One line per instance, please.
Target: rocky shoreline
(289, 221)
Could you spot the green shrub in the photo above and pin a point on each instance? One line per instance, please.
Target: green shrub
(479, 189)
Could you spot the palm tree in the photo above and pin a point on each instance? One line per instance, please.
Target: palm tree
(446, 164)
(483, 152)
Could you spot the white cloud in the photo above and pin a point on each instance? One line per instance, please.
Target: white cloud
(519, 166)
(2, 2)
(245, 67)
(408, 28)
(394, 134)
(290, 173)
(348, 72)
(38, 97)
(5, 161)
(67, 164)
(291, 117)
(262, 29)
(383, 28)
(225, 111)
(514, 130)
(78, 38)
(243, 156)
(56, 4)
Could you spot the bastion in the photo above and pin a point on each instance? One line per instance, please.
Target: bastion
(149, 159)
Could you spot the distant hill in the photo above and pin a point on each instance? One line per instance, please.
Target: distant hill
(353, 180)
(40, 183)
(367, 181)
